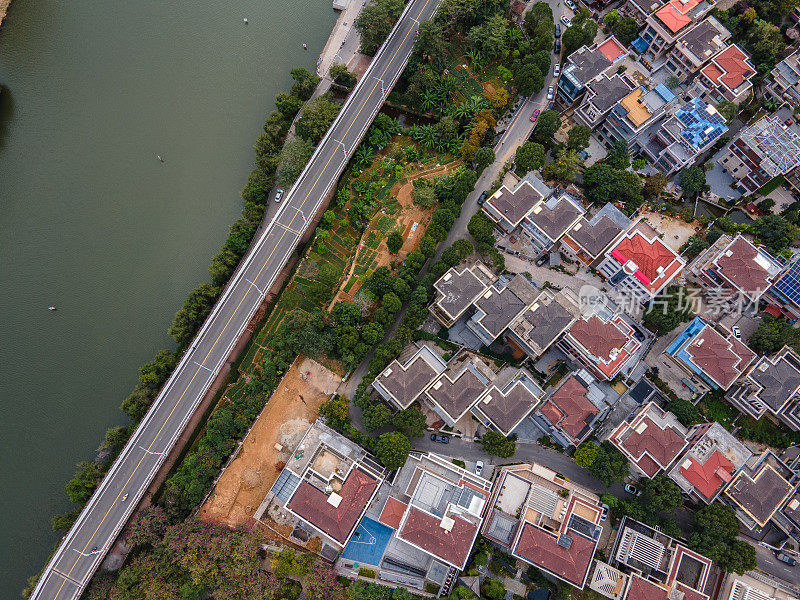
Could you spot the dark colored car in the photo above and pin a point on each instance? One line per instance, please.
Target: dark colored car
(783, 557)
(558, 31)
(442, 439)
(557, 47)
(482, 198)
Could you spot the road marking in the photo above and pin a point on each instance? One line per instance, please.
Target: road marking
(289, 229)
(277, 244)
(202, 366)
(255, 286)
(67, 577)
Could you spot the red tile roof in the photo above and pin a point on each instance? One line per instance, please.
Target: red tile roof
(738, 265)
(709, 477)
(663, 445)
(604, 340)
(649, 257)
(423, 530)
(723, 360)
(311, 504)
(731, 67)
(673, 18)
(641, 589)
(543, 550)
(689, 593)
(612, 49)
(393, 512)
(570, 408)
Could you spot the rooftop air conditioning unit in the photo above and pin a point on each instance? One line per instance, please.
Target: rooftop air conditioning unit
(447, 524)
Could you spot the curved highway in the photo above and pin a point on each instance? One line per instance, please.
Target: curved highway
(84, 547)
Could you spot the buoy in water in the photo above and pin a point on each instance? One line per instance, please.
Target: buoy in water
(51, 308)
(305, 47)
(245, 20)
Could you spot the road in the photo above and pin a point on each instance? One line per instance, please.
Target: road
(83, 548)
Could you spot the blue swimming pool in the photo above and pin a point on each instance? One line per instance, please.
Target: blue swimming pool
(368, 542)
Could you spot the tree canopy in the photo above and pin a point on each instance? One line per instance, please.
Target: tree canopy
(668, 310)
(529, 157)
(392, 449)
(375, 22)
(714, 533)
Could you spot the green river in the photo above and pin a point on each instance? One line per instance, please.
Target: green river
(93, 224)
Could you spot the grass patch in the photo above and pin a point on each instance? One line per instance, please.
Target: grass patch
(771, 186)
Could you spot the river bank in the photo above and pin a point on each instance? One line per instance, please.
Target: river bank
(4, 4)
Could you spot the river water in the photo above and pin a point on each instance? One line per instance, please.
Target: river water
(92, 223)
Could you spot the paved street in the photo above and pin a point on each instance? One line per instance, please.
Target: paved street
(84, 547)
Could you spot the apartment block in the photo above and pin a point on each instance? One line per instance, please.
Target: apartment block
(586, 64)
(785, 83)
(694, 48)
(767, 148)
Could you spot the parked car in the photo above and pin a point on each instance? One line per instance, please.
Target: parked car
(631, 489)
(557, 47)
(442, 439)
(482, 197)
(278, 195)
(604, 513)
(550, 93)
(558, 31)
(565, 20)
(571, 5)
(737, 333)
(535, 115)
(783, 557)
(556, 69)
(479, 467)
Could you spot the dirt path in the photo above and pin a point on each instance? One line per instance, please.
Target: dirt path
(289, 412)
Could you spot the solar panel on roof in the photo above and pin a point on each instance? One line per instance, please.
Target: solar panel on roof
(789, 284)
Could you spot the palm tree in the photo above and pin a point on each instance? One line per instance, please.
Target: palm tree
(461, 110)
(427, 102)
(474, 57)
(363, 156)
(415, 132)
(428, 135)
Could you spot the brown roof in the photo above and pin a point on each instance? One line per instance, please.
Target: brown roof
(556, 221)
(760, 496)
(393, 512)
(311, 504)
(514, 205)
(458, 290)
(405, 384)
(663, 445)
(424, 530)
(543, 550)
(598, 337)
(595, 238)
(456, 397)
(723, 360)
(576, 410)
(641, 589)
(738, 265)
(507, 410)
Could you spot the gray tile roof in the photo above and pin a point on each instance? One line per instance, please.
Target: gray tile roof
(546, 323)
(514, 205)
(406, 384)
(607, 91)
(700, 40)
(458, 290)
(507, 410)
(500, 308)
(588, 64)
(759, 496)
(779, 382)
(595, 238)
(555, 221)
(456, 397)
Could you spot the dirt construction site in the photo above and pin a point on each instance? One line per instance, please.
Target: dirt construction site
(289, 412)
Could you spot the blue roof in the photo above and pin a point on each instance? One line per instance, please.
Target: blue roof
(664, 92)
(789, 284)
(703, 123)
(640, 44)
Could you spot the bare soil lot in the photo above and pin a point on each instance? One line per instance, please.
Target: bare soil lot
(289, 412)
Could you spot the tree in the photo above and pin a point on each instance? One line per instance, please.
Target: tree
(610, 465)
(490, 38)
(668, 310)
(546, 126)
(611, 17)
(565, 167)
(772, 333)
(626, 30)
(149, 526)
(464, 248)
(541, 59)
(410, 422)
(336, 412)
(484, 157)
(654, 185)
(493, 589)
(528, 79)
(693, 246)
(498, 444)
(539, 21)
(317, 118)
(586, 454)
(294, 156)
(775, 232)
(480, 227)
(342, 76)
(729, 110)
(430, 42)
(321, 582)
(394, 242)
(740, 557)
(391, 302)
(375, 22)
(660, 494)
(765, 42)
(529, 157)
(193, 312)
(693, 181)
(392, 450)
(578, 137)
(304, 84)
(376, 416)
(288, 104)
(581, 33)
(714, 532)
(685, 411)
(604, 183)
(424, 196)
(618, 156)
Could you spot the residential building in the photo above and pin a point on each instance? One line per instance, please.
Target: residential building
(324, 489)
(508, 207)
(608, 581)
(726, 77)
(785, 83)
(771, 387)
(711, 460)
(718, 360)
(696, 47)
(550, 219)
(639, 264)
(602, 93)
(784, 294)
(659, 567)
(544, 520)
(768, 148)
(665, 23)
(541, 324)
(404, 380)
(588, 239)
(586, 64)
(511, 397)
(499, 305)
(603, 340)
(651, 440)
(759, 490)
(736, 267)
(570, 412)
(685, 133)
(457, 289)
(420, 527)
(788, 517)
(634, 113)
(755, 586)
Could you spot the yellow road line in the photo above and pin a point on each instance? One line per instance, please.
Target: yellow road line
(178, 401)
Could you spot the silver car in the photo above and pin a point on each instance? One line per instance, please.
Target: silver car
(278, 195)
(550, 93)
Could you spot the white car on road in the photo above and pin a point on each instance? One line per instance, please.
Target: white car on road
(571, 5)
(278, 195)
(557, 70)
(550, 93)
(565, 20)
